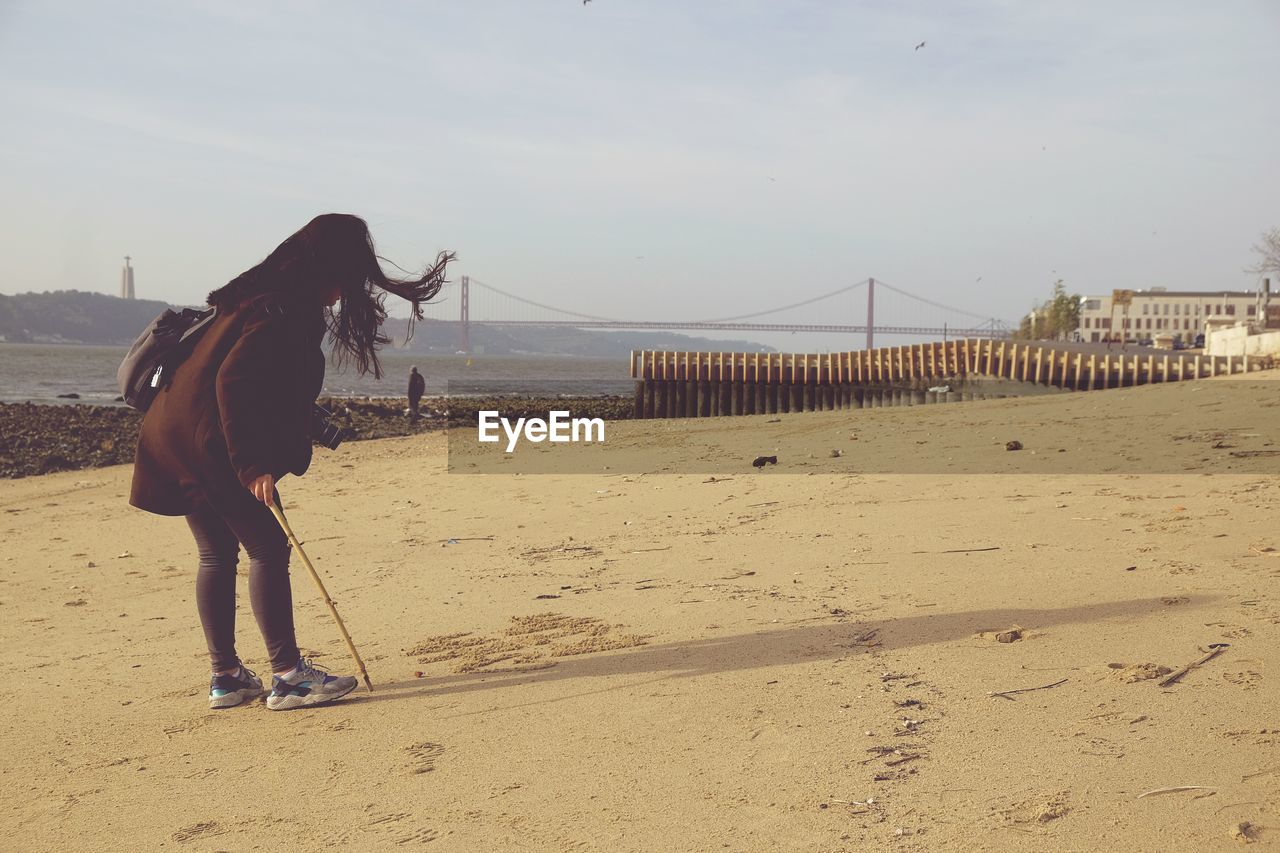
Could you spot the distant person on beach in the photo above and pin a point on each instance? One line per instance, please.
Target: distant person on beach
(417, 386)
(236, 417)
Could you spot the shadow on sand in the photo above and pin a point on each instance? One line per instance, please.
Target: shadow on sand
(773, 647)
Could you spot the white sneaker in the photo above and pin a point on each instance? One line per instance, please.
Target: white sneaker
(229, 690)
(308, 685)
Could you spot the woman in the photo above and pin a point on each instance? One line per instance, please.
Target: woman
(236, 418)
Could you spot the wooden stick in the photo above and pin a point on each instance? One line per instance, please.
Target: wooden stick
(1175, 789)
(1259, 773)
(351, 647)
(1007, 693)
(1214, 650)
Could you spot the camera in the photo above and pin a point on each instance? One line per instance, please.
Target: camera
(323, 431)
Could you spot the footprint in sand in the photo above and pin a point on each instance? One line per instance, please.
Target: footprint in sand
(197, 831)
(527, 643)
(186, 726)
(424, 756)
(387, 826)
(387, 818)
(1248, 679)
(422, 835)
(1134, 672)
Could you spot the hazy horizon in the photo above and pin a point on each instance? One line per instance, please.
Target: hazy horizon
(656, 161)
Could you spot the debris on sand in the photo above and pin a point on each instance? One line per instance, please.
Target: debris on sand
(1009, 635)
(1244, 832)
(1132, 673)
(1013, 445)
(761, 461)
(1009, 694)
(1176, 789)
(1037, 810)
(1052, 810)
(1215, 649)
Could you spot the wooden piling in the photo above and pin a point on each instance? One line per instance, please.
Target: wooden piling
(714, 384)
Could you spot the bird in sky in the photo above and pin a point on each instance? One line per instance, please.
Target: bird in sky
(920, 45)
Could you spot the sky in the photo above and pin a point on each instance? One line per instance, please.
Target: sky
(650, 159)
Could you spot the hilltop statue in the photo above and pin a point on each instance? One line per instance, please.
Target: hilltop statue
(126, 280)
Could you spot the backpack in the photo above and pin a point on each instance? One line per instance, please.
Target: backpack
(157, 352)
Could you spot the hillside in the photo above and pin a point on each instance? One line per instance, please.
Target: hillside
(79, 317)
(73, 316)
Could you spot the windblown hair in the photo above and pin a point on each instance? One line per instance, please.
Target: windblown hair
(336, 249)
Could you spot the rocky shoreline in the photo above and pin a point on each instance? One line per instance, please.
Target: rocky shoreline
(41, 439)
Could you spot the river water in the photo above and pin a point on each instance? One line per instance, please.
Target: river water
(40, 372)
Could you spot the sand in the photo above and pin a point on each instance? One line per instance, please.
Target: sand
(799, 657)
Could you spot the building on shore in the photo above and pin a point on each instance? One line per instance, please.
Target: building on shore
(1180, 315)
(126, 280)
(1259, 337)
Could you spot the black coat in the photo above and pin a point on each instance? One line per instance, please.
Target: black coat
(237, 408)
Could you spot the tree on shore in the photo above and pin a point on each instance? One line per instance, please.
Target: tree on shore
(1268, 250)
(1055, 319)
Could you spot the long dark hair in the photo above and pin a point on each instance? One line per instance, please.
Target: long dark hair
(336, 250)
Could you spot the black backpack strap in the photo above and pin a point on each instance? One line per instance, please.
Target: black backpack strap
(199, 320)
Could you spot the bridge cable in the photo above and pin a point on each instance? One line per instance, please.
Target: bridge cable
(844, 289)
(934, 304)
(540, 305)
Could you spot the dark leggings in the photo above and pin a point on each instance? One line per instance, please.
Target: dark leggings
(218, 540)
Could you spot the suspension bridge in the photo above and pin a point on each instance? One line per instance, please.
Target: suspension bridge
(872, 308)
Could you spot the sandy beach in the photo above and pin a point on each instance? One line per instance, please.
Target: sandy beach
(800, 657)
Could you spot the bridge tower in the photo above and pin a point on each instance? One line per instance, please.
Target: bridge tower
(871, 312)
(464, 319)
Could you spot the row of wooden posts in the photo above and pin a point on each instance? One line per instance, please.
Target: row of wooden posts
(703, 384)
